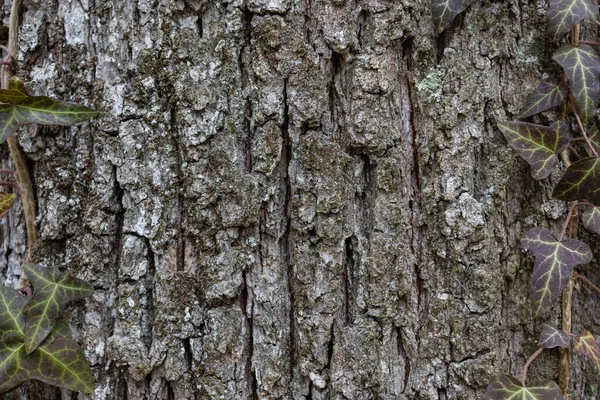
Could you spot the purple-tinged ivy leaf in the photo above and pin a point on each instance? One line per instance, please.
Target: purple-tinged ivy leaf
(549, 93)
(582, 68)
(537, 144)
(505, 387)
(554, 262)
(591, 219)
(581, 181)
(444, 11)
(17, 84)
(551, 337)
(586, 344)
(564, 14)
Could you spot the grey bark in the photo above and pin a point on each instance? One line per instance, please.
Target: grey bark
(290, 199)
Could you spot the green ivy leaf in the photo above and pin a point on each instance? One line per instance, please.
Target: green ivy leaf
(551, 337)
(591, 219)
(18, 108)
(564, 14)
(537, 144)
(594, 136)
(586, 344)
(549, 93)
(16, 84)
(444, 11)
(52, 291)
(505, 387)
(60, 361)
(582, 67)
(554, 262)
(581, 181)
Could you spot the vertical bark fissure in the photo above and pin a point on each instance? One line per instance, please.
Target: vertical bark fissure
(403, 356)
(285, 241)
(244, 58)
(180, 181)
(149, 282)
(348, 279)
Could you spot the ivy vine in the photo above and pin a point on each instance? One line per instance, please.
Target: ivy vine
(556, 256)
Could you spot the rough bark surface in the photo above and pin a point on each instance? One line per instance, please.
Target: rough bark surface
(290, 199)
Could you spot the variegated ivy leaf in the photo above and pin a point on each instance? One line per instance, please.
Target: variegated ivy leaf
(537, 144)
(564, 14)
(58, 360)
(18, 108)
(505, 387)
(52, 291)
(6, 202)
(554, 262)
(549, 93)
(553, 337)
(591, 219)
(581, 181)
(444, 11)
(582, 68)
(586, 344)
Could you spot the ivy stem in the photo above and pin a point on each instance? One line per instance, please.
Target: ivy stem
(7, 171)
(566, 224)
(590, 43)
(533, 357)
(574, 151)
(23, 178)
(587, 281)
(587, 140)
(9, 184)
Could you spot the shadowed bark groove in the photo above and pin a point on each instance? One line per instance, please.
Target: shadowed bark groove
(289, 199)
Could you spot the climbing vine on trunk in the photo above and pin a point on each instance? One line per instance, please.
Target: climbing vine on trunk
(577, 92)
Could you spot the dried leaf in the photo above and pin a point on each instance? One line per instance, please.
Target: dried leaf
(537, 144)
(586, 344)
(554, 262)
(6, 202)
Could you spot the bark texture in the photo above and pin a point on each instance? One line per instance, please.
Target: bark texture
(290, 199)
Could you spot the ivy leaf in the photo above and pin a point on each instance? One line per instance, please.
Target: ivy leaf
(6, 202)
(591, 219)
(444, 11)
(14, 362)
(586, 344)
(18, 108)
(564, 14)
(505, 387)
(52, 291)
(549, 93)
(594, 136)
(537, 144)
(554, 262)
(16, 84)
(582, 67)
(60, 361)
(581, 181)
(553, 337)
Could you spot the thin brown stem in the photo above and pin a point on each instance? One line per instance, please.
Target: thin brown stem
(7, 171)
(9, 184)
(590, 43)
(23, 178)
(566, 224)
(587, 140)
(574, 151)
(587, 281)
(533, 357)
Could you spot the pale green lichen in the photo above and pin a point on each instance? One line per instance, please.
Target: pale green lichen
(432, 84)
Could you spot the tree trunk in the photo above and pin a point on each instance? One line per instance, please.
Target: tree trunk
(290, 199)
